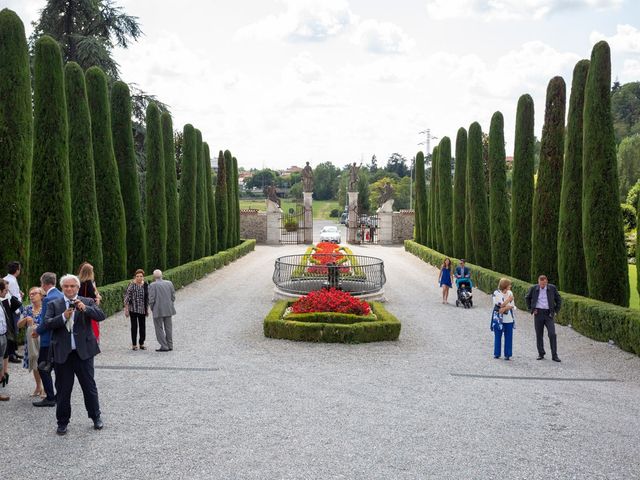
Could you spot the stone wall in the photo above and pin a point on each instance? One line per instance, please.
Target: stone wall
(403, 222)
(253, 224)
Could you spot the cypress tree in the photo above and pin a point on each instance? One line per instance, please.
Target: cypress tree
(459, 195)
(499, 220)
(445, 195)
(602, 230)
(188, 179)
(478, 198)
(110, 205)
(228, 164)
(87, 239)
(546, 199)
(122, 134)
(572, 272)
(205, 186)
(236, 201)
(16, 139)
(522, 190)
(420, 215)
(211, 202)
(156, 208)
(51, 227)
(468, 239)
(221, 203)
(433, 202)
(171, 191)
(200, 199)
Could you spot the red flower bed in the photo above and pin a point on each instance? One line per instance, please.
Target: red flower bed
(327, 252)
(325, 270)
(331, 300)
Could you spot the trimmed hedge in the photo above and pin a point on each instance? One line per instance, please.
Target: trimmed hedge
(386, 327)
(595, 319)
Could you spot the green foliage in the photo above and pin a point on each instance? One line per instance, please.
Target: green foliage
(222, 216)
(459, 195)
(228, 165)
(335, 213)
(499, 220)
(188, 179)
(522, 188)
(572, 273)
(16, 138)
(261, 179)
(236, 203)
(625, 109)
(435, 200)
(110, 204)
(51, 227)
(87, 239)
(397, 164)
(171, 191)
(211, 202)
(123, 146)
(478, 208)
(201, 213)
(421, 218)
(325, 181)
(602, 231)
(628, 164)
(628, 216)
(445, 195)
(546, 199)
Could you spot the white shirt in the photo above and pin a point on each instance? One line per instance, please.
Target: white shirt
(3, 321)
(71, 319)
(498, 299)
(14, 288)
(543, 300)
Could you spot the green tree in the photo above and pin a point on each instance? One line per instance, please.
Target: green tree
(87, 239)
(122, 133)
(499, 220)
(222, 216)
(156, 210)
(445, 195)
(546, 199)
(188, 177)
(211, 202)
(51, 239)
(16, 138)
(397, 164)
(522, 188)
(433, 202)
(628, 163)
(201, 216)
(171, 191)
(364, 205)
(625, 108)
(479, 215)
(602, 231)
(459, 195)
(572, 274)
(325, 181)
(421, 216)
(228, 165)
(261, 179)
(236, 202)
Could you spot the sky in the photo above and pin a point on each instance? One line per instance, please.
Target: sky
(281, 82)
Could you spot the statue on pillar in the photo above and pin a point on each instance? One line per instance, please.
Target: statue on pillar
(353, 177)
(386, 193)
(271, 194)
(307, 178)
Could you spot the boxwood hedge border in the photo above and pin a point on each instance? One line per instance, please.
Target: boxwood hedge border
(385, 327)
(598, 320)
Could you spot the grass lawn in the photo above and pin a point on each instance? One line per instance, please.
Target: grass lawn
(321, 208)
(634, 299)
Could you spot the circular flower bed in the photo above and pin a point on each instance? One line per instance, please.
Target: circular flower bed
(331, 300)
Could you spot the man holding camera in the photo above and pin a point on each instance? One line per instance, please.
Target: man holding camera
(74, 346)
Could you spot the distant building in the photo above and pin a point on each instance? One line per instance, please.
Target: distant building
(290, 170)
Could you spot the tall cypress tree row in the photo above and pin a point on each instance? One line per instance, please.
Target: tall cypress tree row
(433, 200)
(420, 214)
(459, 195)
(87, 239)
(16, 139)
(171, 191)
(200, 198)
(110, 206)
(51, 227)
(211, 202)
(572, 271)
(428, 226)
(478, 198)
(228, 165)
(499, 220)
(122, 133)
(602, 230)
(205, 187)
(222, 216)
(236, 201)
(546, 199)
(468, 238)
(156, 198)
(522, 190)
(445, 197)
(188, 179)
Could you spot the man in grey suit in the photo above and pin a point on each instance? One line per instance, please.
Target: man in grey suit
(161, 298)
(543, 301)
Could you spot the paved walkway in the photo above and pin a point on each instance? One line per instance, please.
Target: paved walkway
(229, 403)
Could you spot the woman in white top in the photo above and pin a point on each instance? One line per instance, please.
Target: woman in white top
(503, 301)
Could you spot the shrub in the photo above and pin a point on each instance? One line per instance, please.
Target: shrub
(334, 213)
(628, 216)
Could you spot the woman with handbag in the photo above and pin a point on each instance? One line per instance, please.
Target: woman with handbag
(136, 306)
(503, 320)
(88, 289)
(31, 318)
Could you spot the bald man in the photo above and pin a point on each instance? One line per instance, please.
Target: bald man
(162, 295)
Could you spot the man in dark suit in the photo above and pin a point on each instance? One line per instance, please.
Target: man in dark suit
(543, 301)
(74, 346)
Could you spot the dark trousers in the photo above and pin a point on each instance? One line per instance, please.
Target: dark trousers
(507, 330)
(47, 381)
(138, 320)
(544, 318)
(65, 372)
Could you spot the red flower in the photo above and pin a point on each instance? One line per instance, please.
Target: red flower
(331, 300)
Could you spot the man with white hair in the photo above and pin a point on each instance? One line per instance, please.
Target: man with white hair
(74, 346)
(162, 295)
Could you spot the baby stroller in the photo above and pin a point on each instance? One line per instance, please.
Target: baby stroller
(465, 296)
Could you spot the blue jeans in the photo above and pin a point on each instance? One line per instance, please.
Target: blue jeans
(507, 329)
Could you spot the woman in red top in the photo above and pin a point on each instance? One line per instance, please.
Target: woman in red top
(88, 289)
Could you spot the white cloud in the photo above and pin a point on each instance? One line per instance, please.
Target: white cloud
(510, 9)
(625, 40)
(631, 70)
(382, 37)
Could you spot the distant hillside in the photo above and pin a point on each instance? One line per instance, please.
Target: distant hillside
(625, 108)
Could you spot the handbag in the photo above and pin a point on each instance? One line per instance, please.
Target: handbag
(496, 319)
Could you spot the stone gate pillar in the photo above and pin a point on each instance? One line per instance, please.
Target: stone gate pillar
(274, 216)
(352, 223)
(308, 218)
(385, 223)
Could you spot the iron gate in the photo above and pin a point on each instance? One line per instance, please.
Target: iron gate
(293, 226)
(368, 229)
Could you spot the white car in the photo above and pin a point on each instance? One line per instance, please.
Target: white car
(330, 233)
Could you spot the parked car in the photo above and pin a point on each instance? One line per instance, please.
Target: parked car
(343, 218)
(330, 233)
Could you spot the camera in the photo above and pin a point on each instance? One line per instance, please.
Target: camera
(72, 305)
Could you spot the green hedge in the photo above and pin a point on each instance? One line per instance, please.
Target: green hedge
(386, 327)
(597, 320)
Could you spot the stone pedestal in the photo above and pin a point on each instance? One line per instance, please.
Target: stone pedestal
(385, 223)
(274, 215)
(308, 218)
(352, 223)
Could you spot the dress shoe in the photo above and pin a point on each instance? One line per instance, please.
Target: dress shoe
(171, 349)
(162, 350)
(556, 359)
(61, 430)
(97, 424)
(44, 403)
(4, 398)
(507, 358)
(540, 357)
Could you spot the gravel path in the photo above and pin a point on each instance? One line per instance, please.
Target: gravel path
(229, 403)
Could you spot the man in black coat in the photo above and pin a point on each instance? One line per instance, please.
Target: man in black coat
(74, 346)
(543, 301)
